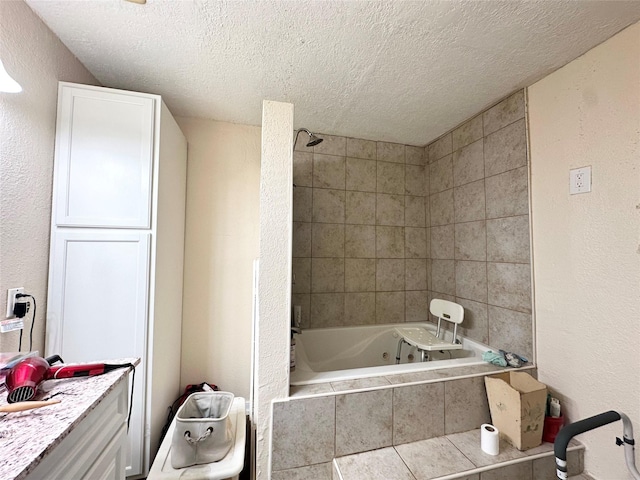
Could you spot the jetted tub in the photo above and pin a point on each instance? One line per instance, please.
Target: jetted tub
(346, 353)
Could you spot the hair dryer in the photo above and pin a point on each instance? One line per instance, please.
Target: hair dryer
(24, 377)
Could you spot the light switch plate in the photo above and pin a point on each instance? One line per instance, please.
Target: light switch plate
(580, 180)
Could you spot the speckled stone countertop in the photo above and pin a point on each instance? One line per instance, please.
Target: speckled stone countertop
(27, 437)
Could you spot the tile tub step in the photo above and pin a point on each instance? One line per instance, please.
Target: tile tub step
(455, 456)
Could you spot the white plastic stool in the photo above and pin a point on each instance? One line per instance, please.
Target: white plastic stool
(226, 469)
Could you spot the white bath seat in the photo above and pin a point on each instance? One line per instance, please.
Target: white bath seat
(424, 340)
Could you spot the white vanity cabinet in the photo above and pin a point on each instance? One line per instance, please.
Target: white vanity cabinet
(117, 246)
(96, 449)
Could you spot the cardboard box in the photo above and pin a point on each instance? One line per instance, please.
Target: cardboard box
(517, 402)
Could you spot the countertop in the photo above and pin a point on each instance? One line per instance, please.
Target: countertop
(27, 437)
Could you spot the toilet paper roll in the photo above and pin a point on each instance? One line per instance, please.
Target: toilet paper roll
(489, 439)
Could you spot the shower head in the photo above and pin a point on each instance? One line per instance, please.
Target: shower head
(313, 140)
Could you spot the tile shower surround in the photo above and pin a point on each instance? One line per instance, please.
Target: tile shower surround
(381, 228)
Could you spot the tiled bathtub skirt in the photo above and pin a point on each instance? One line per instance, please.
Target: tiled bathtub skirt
(309, 431)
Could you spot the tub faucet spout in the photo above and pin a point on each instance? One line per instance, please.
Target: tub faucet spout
(296, 330)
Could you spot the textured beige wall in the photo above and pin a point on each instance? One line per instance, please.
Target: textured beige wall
(271, 380)
(221, 242)
(585, 247)
(37, 60)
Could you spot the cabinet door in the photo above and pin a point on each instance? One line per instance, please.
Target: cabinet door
(104, 151)
(97, 308)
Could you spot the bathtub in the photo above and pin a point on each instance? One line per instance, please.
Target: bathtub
(346, 353)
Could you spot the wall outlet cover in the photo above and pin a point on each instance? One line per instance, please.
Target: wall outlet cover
(580, 180)
(11, 300)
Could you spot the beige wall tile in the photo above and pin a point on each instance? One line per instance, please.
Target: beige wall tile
(331, 145)
(510, 286)
(507, 111)
(328, 240)
(390, 307)
(303, 432)
(507, 194)
(302, 204)
(415, 274)
(360, 208)
(471, 241)
(418, 412)
(443, 277)
(511, 331)
(390, 152)
(414, 211)
(415, 242)
(442, 242)
(363, 421)
(390, 242)
(389, 209)
(328, 171)
(506, 149)
(467, 133)
(360, 308)
(508, 239)
(466, 405)
(471, 280)
(441, 204)
(301, 270)
(414, 155)
(327, 310)
(390, 178)
(359, 148)
(475, 324)
(301, 239)
(441, 175)
(440, 148)
(328, 205)
(303, 169)
(360, 175)
(389, 275)
(327, 275)
(360, 241)
(470, 202)
(414, 180)
(416, 306)
(468, 164)
(360, 275)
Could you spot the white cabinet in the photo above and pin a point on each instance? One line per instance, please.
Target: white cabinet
(96, 447)
(117, 246)
(104, 156)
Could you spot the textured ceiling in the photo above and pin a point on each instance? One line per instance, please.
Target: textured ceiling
(400, 71)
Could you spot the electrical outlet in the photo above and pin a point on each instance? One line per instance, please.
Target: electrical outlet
(579, 180)
(11, 300)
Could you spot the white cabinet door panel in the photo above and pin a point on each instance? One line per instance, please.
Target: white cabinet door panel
(104, 159)
(98, 308)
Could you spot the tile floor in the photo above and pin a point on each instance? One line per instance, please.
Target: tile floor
(454, 456)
